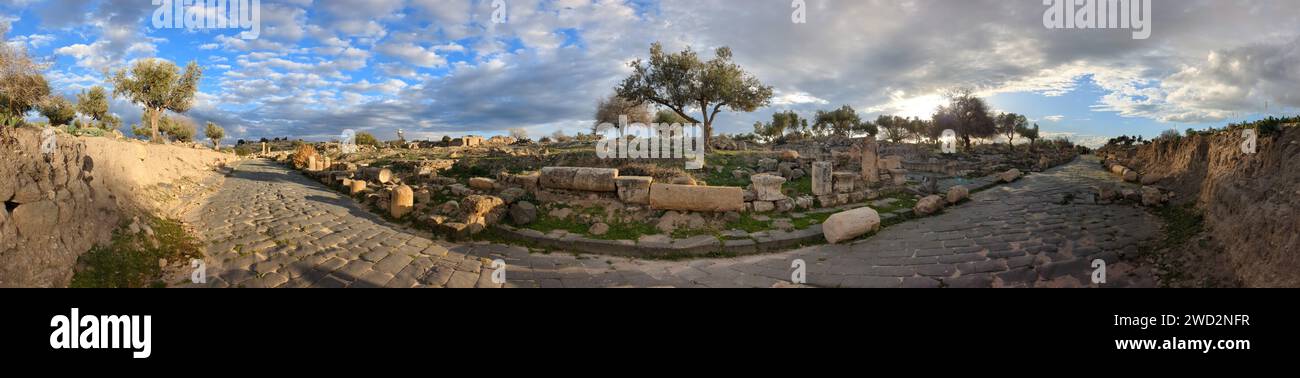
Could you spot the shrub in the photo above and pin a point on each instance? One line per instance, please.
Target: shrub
(243, 150)
(302, 155)
(366, 139)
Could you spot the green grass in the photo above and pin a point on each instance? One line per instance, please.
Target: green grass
(1182, 223)
(811, 219)
(747, 223)
(131, 261)
(802, 186)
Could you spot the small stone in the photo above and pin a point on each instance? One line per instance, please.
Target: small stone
(598, 229)
(928, 205)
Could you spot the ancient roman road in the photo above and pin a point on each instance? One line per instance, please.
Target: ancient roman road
(272, 227)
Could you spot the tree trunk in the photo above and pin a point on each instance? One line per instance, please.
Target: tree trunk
(708, 136)
(153, 124)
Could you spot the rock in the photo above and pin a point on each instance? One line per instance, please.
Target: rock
(1151, 196)
(455, 230)
(477, 207)
(957, 193)
(634, 189)
(683, 180)
(1130, 175)
(1131, 195)
(1149, 179)
(1010, 176)
(740, 174)
(696, 198)
(35, 218)
(891, 162)
(449, 208)
(523, 213)
(357, 187)
(783, 224)
(512, 195)
(402, 202)
(803, 202)
(1107, 193)
(830, 200)
(767, 187)
(797, 173)
(482, 183)
(460, 190)
(789, 155)
(764, 206)
(928, 205)
(562, 213)
(850, 224)
(767, 164)
(579, 178)
(785, 169)
(673, 220)
(598, 229)
(784, 205)
(822, 178)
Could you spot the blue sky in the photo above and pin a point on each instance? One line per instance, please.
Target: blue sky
(443, 67)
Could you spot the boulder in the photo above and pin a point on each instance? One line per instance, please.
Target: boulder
(449, 208)
(789, 155)
(402, 202)
(850, 224)
(957, 193)
(476, 209)
(1010, 176)
(803, 202)
(1151, 196)
(578, 178)
(822, 178)
(634, 189)
(1130, 175)
(512, 195)
(696, 198)
(523, 213)
(598, 229)
(673, 220)
(1107, 193)
(482, 183)
(767, 187)
(784, 205)
(928, 205)
(764, 206)
(891, 162)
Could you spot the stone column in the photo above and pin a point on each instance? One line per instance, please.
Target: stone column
(821, 178)
(870, 160)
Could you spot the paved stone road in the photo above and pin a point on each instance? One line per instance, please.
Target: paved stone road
(270, 227)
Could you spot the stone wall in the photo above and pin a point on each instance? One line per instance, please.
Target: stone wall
(1250, 201)
(57, 207)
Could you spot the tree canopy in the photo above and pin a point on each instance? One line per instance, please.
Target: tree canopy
(682, 82)
(58, 110)
(967, 115)
(843, 121)
(158, 86)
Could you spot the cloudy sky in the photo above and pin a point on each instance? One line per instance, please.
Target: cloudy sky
(443, 67)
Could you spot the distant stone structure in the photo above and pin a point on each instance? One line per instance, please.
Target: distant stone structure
(467, 141)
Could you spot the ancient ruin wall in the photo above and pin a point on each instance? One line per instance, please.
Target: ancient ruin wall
(58, 207)
(1250, 202)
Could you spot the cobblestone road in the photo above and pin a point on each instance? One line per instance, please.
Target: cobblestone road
(271, 227)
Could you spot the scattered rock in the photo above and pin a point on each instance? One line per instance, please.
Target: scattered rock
(598, 229)
(764, 206)
(957, 193)
(1010, 176)
(928, 205)
(523, 213)
(1151, 196)
(850, 224)
(562, 213)
(789, 155)
(482, 183)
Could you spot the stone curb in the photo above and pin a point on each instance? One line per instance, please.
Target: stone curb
(698, 246)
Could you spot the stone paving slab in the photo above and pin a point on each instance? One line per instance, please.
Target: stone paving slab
(272, 227)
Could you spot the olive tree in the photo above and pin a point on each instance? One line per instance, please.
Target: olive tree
(609, 110)
(158, 86)
(966, 115)
(215, 134)
(58, 110)
(94, 104)
(22, 87)
(1009, 124)
(843, 121)
(682, 82)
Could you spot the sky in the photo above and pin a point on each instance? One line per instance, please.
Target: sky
(445, 67)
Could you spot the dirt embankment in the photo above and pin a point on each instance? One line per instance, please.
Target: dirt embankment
(1250, 201)
(58, 206)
